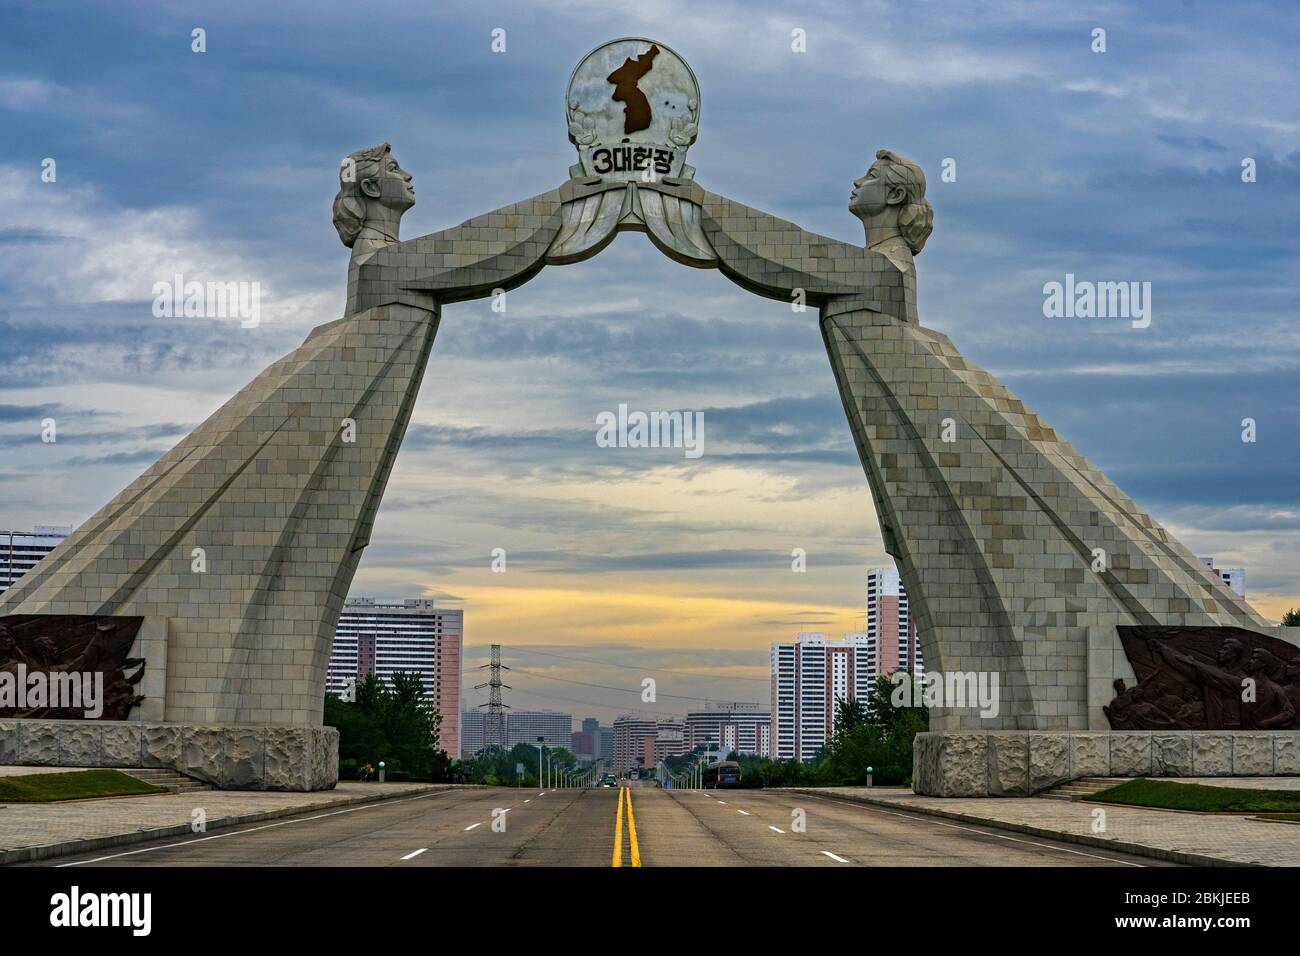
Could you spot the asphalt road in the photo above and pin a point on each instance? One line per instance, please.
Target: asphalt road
(625, 826)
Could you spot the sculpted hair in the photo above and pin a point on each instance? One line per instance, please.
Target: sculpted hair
(916, 219)
(349, 203)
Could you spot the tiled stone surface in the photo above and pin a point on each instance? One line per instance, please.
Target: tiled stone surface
(1049, 761)
(1286, 755)
(1130, 755)
(1252, 755)
(36, 745)
(505, 247)
(1006, 763)
(1171, 755)
(963, 763)
(239, 757)
(774, 256)
(282, 506)
(499, 249)
(8, 741)
(79, 743)
(160, 745)
(1212, 754)
(1231, 838)
(151, 644)
(1089, 755)
(119, 746)
(994, 531)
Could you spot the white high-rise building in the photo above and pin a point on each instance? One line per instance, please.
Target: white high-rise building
(630, 735)
(809, 675)
(739, 727)
(1234, 578)
(413, 637)
(525, 726)
(20, 550)
(522, 727)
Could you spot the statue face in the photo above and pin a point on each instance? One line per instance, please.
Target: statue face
(391, 187)
(872, 195)
(1229, 650)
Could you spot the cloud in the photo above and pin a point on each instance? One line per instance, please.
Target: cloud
(1117, 166)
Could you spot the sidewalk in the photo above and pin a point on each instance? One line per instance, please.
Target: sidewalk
(36, 831)
(1194, 838)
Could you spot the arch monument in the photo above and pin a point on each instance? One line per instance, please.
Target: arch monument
(995, 521)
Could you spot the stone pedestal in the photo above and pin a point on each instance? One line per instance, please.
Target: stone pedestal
(229, 756)
(1020, 763)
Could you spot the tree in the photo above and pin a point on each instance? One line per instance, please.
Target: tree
(396, 724)
(496, 765)
(1291, 618)
(872, 733)
(850, 714)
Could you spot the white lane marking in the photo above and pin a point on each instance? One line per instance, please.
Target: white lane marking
(267, 826)
(472, 826)
(745, 812)
(412, 856)
(529, 800)
(542, 794)
(723, 802)
(777, 829)
(837, 859)
(1000, 836)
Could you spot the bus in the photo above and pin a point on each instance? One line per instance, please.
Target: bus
(724, 773)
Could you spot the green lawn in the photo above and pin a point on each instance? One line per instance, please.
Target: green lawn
(1167, 795)
(74, 785)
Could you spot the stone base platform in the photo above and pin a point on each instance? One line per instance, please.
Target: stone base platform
(1019, 763)
(228, 756)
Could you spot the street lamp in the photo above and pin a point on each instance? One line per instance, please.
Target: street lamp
(540, 741)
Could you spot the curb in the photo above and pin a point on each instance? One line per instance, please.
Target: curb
(1100, 843)
(45, 851)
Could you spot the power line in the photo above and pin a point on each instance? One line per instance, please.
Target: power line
(633, 667)
(587, 703)
(625, 690)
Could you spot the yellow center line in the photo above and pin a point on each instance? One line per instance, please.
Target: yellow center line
(618, 832)
(631, 830)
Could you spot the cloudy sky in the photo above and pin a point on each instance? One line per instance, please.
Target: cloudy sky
(1117, 166)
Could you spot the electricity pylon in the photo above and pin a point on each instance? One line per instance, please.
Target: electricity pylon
(494, 727)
